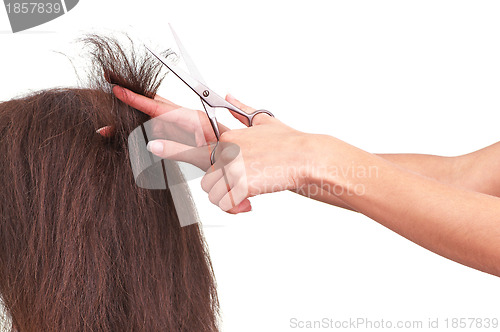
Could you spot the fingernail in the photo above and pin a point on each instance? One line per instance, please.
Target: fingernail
(247, 210)
(230, 96)
(155, 147)
(246, 207)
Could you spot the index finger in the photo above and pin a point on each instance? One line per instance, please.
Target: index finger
(151, 107)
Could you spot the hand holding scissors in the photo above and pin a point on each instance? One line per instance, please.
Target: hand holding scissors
(188, 133)
(230, 179)
(209, 98)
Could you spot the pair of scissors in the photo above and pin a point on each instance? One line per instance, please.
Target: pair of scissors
(209, 98)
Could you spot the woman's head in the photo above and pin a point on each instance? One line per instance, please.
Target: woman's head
(81, 246)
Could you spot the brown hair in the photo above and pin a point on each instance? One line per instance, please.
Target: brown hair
(82, 248)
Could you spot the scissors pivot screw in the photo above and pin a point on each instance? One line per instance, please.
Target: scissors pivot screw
(206, 93)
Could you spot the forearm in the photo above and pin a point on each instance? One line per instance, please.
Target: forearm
(443, 169)
(456, 223)
(476, 171)
(314, 192)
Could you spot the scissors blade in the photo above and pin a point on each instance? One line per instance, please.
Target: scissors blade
(187, 59)
(204, 92)
(193, 70)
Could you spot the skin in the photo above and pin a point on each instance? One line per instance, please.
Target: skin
(449, 205)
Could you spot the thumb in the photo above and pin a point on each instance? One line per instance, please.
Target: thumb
(244, 206)
(241, 106)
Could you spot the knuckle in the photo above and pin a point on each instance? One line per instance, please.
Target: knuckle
(129, 97)
(226, 136)
(242, 188)
(226, 155)
(156, 109)
(227, 203)
(212, 198)
(229, 155)
(204, 184)
(232, 174)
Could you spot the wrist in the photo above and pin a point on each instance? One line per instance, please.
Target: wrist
(331, 163)
(313, 154)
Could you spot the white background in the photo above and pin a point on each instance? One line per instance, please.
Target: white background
(386, 76)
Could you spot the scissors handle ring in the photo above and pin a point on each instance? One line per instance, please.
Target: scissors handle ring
(250, 119)
(252, 115)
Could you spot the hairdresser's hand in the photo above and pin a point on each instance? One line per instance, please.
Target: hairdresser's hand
(186, 134)
(264, 158)
(181, 134)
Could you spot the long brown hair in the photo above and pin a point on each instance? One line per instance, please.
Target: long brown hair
(82, 248)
